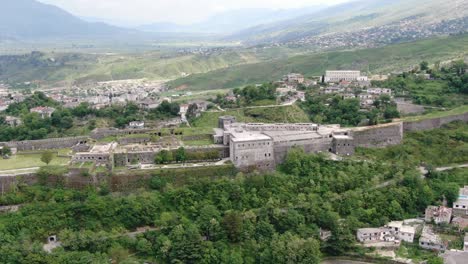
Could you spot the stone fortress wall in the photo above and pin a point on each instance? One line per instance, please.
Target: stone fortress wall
(45, 144)
(341, 144)
(378, 136)
(433, 123)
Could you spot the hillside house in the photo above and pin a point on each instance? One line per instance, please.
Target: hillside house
(13, 121)
(430, 240)
(438, 214)
(43, 111)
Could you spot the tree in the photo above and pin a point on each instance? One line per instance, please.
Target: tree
(424, 66)
(47, 157)
(289, 248)
(233, 225)
(181, 155)
(192, 111)
(5, 151)
(164, 156)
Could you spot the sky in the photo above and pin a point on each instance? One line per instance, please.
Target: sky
(176, 11)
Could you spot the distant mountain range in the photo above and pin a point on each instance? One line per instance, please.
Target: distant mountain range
(233, 21)
(29, 19)
(362, 23)
(358, 15)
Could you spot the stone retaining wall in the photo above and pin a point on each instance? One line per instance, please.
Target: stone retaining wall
(45, 144)
(378, 136)
(433, 123)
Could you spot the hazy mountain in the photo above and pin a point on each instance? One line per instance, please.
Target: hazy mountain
(29, 19)
(355, 16)
(232, 21)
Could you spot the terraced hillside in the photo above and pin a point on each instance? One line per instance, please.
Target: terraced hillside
(376, 60)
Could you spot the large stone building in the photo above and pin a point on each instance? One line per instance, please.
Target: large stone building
(338, 76)
(100, 154)
(263, 146)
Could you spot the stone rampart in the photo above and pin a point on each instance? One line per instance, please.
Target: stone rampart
(378, 136)
(44, 144)
(100, 133)
(9, 183)
(433, 123)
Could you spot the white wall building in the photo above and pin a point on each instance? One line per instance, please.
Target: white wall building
(338, 76)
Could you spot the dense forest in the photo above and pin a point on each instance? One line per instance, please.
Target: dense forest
(257, 218)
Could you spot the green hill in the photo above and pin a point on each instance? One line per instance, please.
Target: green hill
(377, 60)
(69, 67)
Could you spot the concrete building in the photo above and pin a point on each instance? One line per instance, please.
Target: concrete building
(295, 78)
(401, 231)
(430, 240)
(374, 235)
(43, 111)
(338, 76)
(438, 214)
(460, 207)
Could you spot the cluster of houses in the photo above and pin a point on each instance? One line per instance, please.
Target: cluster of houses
(42, 111)
(102, 94)
(8, 97)
(351, 85)
(391, 235)
(288, 87)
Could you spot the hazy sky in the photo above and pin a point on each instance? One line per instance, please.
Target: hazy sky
(178, 11)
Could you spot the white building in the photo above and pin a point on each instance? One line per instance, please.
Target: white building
(338, 76)
(401, 231)
(374, 235)
(379, 91)
(136, 125)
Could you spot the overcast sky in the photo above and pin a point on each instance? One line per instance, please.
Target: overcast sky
(178, 11)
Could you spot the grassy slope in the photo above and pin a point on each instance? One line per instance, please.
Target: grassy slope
(27, 161)
(379, 60)
(286, 114)
(83, 67)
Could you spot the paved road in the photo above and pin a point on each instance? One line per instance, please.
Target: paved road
(452, 167)
(424, 172)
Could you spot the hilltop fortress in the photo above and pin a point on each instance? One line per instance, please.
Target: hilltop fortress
(264, 146)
